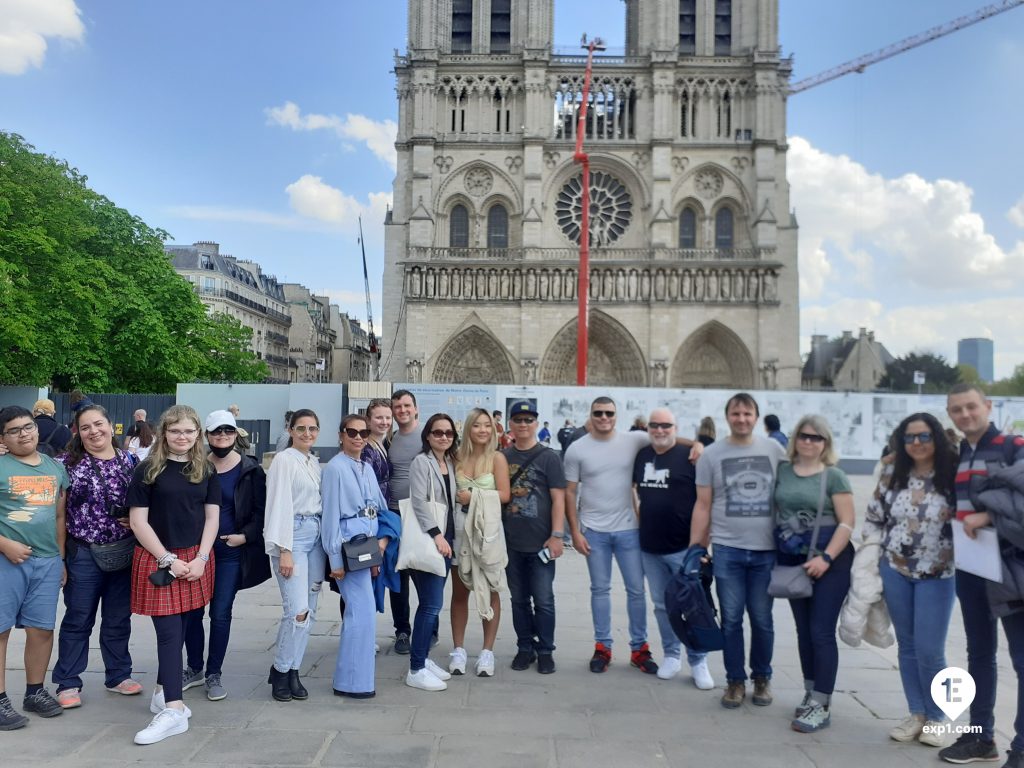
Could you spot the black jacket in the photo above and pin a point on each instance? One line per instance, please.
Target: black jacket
(55, 436)
(250, 507)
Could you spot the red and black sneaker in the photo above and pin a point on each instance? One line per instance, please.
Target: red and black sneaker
(602, 658)
(641, 659)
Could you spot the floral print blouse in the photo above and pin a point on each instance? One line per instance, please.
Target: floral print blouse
(917, 538)
(96, 484)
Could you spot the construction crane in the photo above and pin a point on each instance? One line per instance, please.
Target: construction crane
(374, 348)
(861, 63)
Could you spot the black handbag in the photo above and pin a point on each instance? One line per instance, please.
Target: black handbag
(361, 552)
(115, 556)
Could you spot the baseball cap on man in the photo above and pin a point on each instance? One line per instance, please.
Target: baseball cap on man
(522, 407)
(220, 419)
(44, 406)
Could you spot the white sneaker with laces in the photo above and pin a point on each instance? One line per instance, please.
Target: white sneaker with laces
(169, 722)
(437, 672)
(669, 668)
(908, 729)
(425, 680)
(485, 664)
(457, 663)
(702, 675)
(158, 705)
(933, 734)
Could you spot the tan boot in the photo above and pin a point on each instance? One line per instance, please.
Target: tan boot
(734, 694)
(762, 692)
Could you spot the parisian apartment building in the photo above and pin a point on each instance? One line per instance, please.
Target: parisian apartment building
(302, 337)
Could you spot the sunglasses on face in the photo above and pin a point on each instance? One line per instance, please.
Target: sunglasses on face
(223, 431)
(523, 420)
(354, 433)
(659, 425)
(808, 437)
(442, 433)
(603, 414)
(922, 437)
(303, 429)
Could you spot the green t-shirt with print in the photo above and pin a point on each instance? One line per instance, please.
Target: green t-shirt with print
(796, 506)
(28, 502)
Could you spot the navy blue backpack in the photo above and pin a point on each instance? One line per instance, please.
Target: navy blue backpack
(691, 607)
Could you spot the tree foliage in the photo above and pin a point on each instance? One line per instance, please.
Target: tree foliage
(88, 297)
(1014, 385)
(939, 374)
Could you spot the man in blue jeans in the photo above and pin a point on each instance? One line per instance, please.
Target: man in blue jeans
(534, 523)
(664, 483)
(984, 447)
(735, 482)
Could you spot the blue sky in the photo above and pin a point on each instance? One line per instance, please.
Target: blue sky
(265, 127)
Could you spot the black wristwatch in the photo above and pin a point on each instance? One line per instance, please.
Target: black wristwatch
(826, 557)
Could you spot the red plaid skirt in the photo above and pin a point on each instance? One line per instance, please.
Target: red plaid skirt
(180, 596)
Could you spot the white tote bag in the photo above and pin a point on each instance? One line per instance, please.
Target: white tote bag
(416, 549)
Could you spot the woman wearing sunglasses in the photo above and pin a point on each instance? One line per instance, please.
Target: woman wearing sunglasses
(798, 493)
(432, 480)
(479, 467)
(354, 507)
(239, 550)
(912, 509)
(291, 533)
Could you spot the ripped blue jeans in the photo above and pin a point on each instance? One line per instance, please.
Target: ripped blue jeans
(299, 592)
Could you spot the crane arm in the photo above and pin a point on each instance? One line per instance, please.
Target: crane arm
(861, 63)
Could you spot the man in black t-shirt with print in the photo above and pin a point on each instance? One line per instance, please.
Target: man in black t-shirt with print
(534, 525)
(665, 491)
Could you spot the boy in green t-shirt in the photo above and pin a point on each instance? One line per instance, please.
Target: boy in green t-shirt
(33, 492)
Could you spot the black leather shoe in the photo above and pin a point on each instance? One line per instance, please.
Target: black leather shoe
(279, 688)
(545, 663)
(523, 660)
(295, 686)
(360, 695)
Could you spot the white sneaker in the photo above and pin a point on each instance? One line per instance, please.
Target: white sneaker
(932, 734)
(702, 675)
(669, 668)
(158, 705)
(169, 722)
(457, 663)
(908, 729)
(437, 672)
(485, 664)
(425, 680)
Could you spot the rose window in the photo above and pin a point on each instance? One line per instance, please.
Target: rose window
(611, 208)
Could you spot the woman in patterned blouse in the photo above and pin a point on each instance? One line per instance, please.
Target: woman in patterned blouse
(100, 474)
(913, 506)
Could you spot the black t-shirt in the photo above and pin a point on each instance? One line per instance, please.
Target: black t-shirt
(527, 516)
(666, 485)
(175, 505)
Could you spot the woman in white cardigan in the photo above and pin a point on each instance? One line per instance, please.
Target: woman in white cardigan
(292, 535)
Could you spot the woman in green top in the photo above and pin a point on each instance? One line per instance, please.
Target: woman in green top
(797, 494)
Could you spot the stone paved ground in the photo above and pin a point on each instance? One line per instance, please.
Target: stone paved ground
(516, 719)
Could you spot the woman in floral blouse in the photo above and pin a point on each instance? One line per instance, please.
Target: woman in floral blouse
(913, 506)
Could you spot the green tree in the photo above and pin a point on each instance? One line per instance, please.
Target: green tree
(939, 374)
(230, 358)
(88, 297)
(1014, 385)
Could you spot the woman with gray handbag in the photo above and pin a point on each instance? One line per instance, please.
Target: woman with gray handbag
(814, 519)
(100, 545)
(352, 502)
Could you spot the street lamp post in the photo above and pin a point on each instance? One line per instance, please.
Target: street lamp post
(581, 157)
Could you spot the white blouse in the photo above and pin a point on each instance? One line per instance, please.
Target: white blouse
(293, 490)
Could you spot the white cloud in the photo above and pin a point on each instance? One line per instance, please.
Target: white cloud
(932, 327)
(237, 215)
(25, 26)
(379, 136)
(1016, 214)
(906, 230)
(314, 199)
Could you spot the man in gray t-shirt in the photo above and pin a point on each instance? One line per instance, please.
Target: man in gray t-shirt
(735, 485)
(600, 467)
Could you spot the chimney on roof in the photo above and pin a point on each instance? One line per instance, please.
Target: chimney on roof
(847, 336)
(817, 340)
(862, 333)
(871, 336)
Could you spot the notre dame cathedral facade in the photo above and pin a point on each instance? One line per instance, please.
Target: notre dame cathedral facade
(693, 247)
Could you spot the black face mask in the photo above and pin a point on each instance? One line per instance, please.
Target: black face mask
(220, 453)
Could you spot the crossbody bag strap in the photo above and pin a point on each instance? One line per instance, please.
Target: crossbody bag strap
(817, 519)
(524, 465)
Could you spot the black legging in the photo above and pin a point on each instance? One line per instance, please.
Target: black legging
(170, 639)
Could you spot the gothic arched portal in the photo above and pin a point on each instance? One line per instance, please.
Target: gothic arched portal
(613, 357)
(713, 356)
(472, 356)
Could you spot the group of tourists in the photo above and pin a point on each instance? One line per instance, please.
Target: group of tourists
(403, 504)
